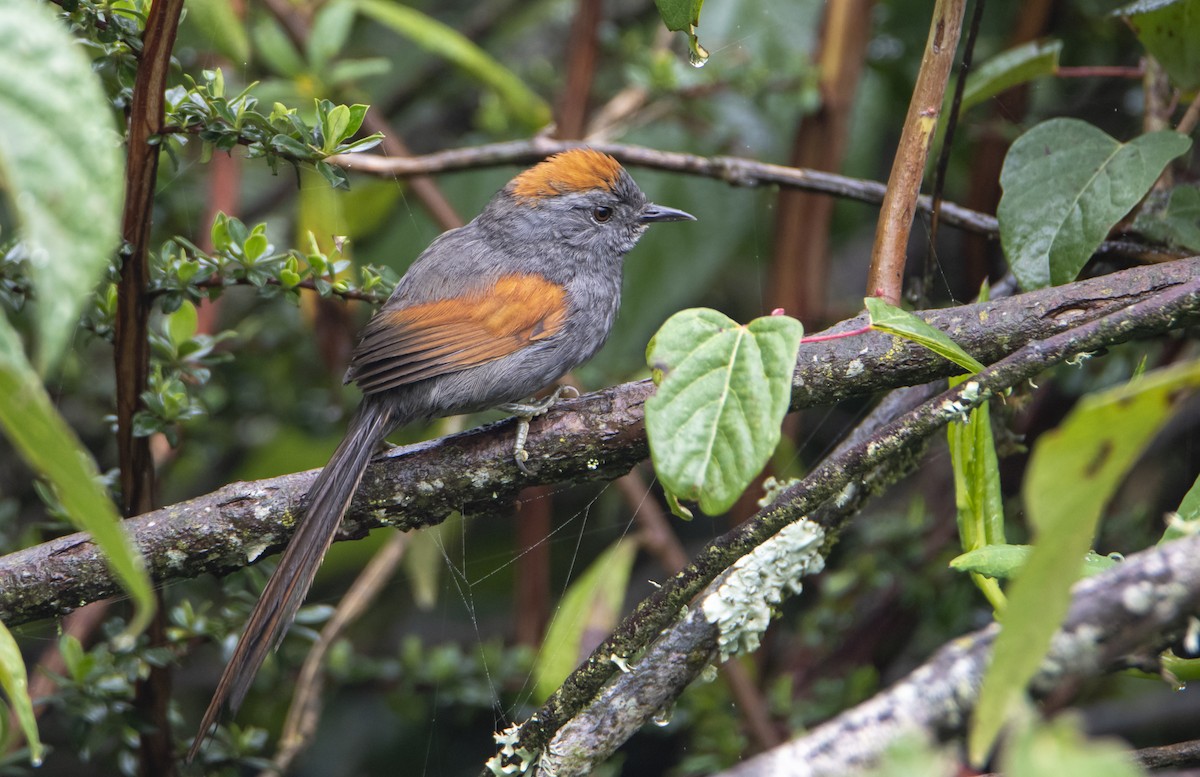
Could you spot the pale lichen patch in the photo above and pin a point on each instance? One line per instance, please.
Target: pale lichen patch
(740, 607)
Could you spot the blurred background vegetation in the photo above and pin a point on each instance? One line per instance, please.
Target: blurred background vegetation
(250, 384)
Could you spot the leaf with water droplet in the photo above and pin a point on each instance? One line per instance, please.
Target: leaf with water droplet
(697, 54)
(684, 16)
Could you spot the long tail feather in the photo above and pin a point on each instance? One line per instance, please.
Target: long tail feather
(327, 501)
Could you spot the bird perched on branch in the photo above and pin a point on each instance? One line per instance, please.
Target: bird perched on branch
(488, 315)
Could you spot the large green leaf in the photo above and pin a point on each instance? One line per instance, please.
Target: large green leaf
(219, 24)
(1005, 561)
(723, 390)
(435, 37)
(1066, 184)
(1073, 472)
(60, 162)
(1059, 747)
(51, 448)
(1170, 32)
(16, 688)
(590, 608)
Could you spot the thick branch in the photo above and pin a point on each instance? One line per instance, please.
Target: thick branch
(596, 437)
(1126, 610)
(837, 480)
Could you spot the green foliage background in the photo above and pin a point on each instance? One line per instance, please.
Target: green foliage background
(250, 386)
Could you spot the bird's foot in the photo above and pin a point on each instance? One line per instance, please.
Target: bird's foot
(526, 412)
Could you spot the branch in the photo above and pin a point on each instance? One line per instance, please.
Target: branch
(736, 171)
(845, 480)
(596, 437)
(1126, 610)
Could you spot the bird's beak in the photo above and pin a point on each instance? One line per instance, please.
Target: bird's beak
(652, 213)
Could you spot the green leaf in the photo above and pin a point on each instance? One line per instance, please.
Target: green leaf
(523, 104)
(1072, 473)
(52, 450)
(1177, 223)
(1009, 68)
(1066, 184)
(590, 607)
(1169, 31)
(1186, 520)
(977, 496)
(61, 162)
(1005, 561)
(334, 125)
(1057, 747)
(330, 31)
(723, 390)
(271, 43)
(16, 688)
(895, 321)
(218, 24)
(182, 324)
(679, 15)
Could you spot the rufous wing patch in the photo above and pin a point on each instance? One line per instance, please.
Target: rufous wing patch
(575, 170)
(423, 341)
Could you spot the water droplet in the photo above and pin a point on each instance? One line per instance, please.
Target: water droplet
(662, 718)
(1179, 686)
(697, 54)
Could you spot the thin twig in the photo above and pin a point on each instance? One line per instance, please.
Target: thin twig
(1190, 118)
(736, 171)
(305, 710)
(131, 348)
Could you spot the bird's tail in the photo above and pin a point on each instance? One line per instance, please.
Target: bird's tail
(327, 501)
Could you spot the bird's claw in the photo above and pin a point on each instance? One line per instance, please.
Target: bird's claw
(526, 412)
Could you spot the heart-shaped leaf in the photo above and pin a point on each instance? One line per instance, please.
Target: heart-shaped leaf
(723, 390)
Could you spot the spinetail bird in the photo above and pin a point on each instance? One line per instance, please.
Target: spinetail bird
(489, 314)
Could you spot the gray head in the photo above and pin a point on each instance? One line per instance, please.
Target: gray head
(581, 199)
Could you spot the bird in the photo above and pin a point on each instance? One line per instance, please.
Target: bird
(489, 314)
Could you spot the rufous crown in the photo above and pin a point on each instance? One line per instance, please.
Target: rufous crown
(576, 170)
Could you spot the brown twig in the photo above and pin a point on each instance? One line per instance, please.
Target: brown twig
(736, 171)
(582, 49)
(1101, 71)
(1190, 118)
(885, 278)
(305, 710)
(131, 348)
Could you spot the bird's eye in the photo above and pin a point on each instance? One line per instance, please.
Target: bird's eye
(601, 213)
